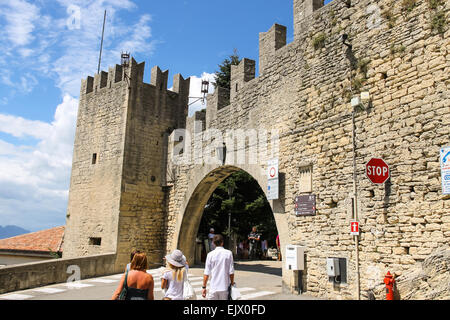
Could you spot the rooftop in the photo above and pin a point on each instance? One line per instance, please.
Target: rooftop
(41, 241)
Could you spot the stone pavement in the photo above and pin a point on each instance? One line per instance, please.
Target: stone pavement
(257, 280)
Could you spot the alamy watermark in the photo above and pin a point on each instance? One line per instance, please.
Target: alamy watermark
(217, 147)
(73, 22)
(75, 276)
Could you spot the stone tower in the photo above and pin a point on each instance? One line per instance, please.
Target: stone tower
(117, 194)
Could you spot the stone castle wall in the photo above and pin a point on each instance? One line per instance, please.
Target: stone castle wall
(135, 196)
(94, 198)
(121, 199)
(304, 90)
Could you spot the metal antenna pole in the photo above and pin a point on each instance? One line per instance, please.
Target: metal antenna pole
(101, 45)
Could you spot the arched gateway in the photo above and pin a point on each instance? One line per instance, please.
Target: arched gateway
(137, 184)
(197, 196)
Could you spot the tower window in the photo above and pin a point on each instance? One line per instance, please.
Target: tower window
(94, 158)
(95, 241)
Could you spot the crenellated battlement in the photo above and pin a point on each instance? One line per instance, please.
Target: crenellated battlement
(240, 74)
(269, 43)
(115, 74)
(196, 123)
(159, 78)
(302, 10)
(134, 75)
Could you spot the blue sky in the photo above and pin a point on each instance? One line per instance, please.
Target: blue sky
(49, 45)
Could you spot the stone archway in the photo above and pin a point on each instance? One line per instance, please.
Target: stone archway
(197, 197)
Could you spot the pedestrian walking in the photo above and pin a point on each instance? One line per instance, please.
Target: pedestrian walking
(173, 277)
(210, 239)
(254, 239)
(219, 268)
(137, 282)
(264, 247)
(131, 259)
(278, 247)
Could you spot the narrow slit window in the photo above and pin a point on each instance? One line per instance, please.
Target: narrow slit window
(95, 241)
(94, 158)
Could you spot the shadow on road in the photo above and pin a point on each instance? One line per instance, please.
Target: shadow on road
(257, 267)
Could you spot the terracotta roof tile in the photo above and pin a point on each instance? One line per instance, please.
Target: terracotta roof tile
(42, 241)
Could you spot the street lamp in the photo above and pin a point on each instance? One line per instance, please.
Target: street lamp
(230, 193)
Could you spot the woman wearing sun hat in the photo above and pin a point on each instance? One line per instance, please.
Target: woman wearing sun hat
(173, 276)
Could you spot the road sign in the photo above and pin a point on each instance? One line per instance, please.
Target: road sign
(377, 171)
(272, 179)
(354, 228)
(445, 169)
(272, 169)
(305, 205)
(272, 189)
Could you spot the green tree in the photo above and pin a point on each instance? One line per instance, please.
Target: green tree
(248, 206)
(223, 75)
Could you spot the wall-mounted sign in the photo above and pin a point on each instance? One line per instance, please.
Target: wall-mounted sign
(305, 205)
(272, 180)
(272, 189)
(354, 228)
(272, 169)
(445, 169)
(377, 170)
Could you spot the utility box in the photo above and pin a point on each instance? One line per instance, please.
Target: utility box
(295, 257)
(333, 269)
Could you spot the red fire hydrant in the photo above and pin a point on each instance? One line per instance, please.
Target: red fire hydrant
(389, 281)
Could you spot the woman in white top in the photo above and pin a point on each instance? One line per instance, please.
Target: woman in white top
(173, 276)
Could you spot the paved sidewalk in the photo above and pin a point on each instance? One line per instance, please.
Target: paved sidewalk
(257, 280)
(265, 275)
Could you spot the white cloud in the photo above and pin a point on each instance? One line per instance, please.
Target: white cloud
(20, 127)
(34, 180)
(38, 45)
(81, 47)
(49, 46)
(21, 17)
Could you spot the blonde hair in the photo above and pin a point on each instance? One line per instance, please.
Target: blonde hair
(177, 272)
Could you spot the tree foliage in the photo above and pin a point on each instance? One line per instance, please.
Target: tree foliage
(223, 75)
(248, 206)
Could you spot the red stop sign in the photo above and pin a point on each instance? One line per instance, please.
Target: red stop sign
(377, 171)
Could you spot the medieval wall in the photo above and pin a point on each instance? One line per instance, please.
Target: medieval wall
(120, 197)
(154, 112)
(400, 56)
(94, 198)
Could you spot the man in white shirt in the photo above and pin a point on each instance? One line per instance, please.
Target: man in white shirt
(220, 267)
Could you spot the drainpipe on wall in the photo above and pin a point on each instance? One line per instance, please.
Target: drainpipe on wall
(350, 56)
(355, 205)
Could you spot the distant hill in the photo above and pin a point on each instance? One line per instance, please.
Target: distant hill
(11, 231)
